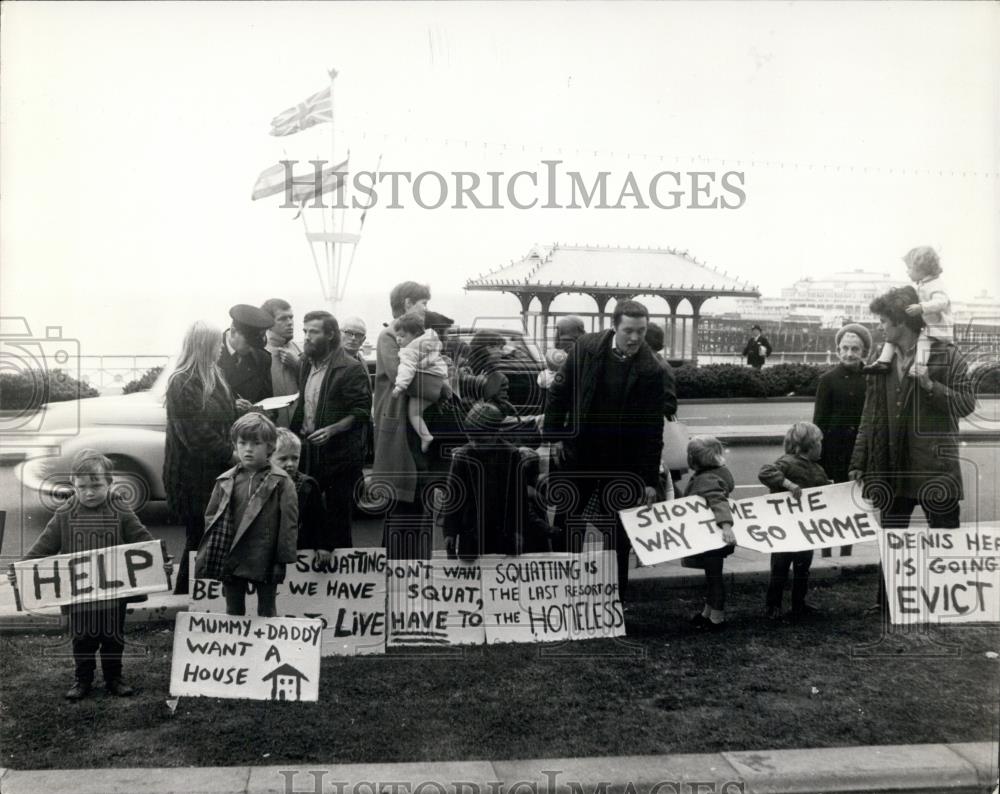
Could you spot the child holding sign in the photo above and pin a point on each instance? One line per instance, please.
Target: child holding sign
(798, 468)
(251, 524)
(714, 482)
(93, 519)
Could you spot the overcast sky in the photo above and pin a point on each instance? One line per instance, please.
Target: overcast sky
(132, 135)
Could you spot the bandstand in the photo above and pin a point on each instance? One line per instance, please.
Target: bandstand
(609, 273)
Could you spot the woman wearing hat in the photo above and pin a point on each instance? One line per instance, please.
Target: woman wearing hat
(840, 398)
(245, 363)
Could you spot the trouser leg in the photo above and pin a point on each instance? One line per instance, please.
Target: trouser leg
(715, 589)
(113, 640)
(235, 591)
(194, 528)
(86, 640)
(267, 604)
(801, 562)
(780, 562)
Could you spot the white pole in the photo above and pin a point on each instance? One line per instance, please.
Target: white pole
(333, 249)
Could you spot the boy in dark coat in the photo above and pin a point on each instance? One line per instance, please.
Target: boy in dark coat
(251, 525)
(798, 468)
(489, 478)
(93, 519)
(713, 481)
(312, 512)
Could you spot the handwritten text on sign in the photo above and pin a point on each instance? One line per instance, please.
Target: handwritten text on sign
(434, 602)
(347, 595)
(228, 656)
(97, 575)
(942, 576)
(833, 515)
(552, 597)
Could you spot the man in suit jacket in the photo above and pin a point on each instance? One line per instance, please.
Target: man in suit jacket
(605, 408)
(757, 348)
(330, 414)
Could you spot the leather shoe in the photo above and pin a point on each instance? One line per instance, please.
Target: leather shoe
(120, 689)
(78, 691)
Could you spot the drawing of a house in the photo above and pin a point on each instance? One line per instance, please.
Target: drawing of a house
(286, 682)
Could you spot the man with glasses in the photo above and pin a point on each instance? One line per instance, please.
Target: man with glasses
(353, 332)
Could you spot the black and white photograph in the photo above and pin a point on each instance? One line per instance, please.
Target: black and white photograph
(499, 397)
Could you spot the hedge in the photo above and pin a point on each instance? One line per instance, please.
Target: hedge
(32, 388)
(721, 381)
(144, 383)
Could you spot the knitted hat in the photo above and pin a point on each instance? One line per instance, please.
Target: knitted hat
(863, 334)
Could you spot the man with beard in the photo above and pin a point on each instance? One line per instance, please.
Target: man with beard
(286, 357)
(333, 407)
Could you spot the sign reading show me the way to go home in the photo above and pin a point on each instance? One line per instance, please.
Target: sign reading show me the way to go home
(230, 656)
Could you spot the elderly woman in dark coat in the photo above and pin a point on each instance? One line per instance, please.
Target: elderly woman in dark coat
(200, 411)
(840, 398)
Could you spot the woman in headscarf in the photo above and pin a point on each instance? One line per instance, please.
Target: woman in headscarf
(200, 411)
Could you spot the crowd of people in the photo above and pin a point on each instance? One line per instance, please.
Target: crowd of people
(254, 483)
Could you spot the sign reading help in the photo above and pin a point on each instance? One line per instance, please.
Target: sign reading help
(347, 595)
(942, 575)
(552, 597)
(97, 575)
(832, 515)
(227, 656)
(435, 602)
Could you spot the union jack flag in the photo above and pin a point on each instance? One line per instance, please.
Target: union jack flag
(317, 109)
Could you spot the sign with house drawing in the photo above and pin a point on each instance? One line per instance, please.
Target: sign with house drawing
(230, 656)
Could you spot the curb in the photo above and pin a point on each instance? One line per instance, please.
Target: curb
(968, 768)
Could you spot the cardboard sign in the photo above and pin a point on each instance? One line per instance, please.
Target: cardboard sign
(942, 575)
(227, 656)
(552, 597)
(347, 594)
(832, 515)
(98, 575)
(434, 602)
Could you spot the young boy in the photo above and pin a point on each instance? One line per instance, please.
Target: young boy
(312, 511)
(93, 519)
(798, 468)
(251, 524)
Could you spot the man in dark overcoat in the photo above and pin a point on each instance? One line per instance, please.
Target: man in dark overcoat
(330, 414)
(605, 410)
(757, 348)
(244, 362)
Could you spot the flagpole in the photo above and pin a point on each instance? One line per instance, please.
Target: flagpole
(334, 247)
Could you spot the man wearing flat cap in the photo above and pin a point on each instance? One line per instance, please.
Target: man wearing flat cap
(244, 362)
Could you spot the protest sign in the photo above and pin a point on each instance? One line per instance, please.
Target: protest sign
(434, 602)
(551, 597)
(229, 656)
(347, 594)
(942, 575)
(831, 515)
(131, 569)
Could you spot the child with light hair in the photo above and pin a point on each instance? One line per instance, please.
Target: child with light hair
(923, 266)
(422, 371)
(313, 530)
(798, 468)
(713, 481)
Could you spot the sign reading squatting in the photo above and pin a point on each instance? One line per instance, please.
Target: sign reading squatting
(347, 595)
(942, 575)
(230, 656)
(831, 515)
(552, 597)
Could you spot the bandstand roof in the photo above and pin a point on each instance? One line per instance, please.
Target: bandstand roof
(557, 268)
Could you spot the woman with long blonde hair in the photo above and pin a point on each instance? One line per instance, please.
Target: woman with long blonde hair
(200, 411)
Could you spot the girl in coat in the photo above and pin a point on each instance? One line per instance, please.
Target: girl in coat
(251, 522)
(714, 482)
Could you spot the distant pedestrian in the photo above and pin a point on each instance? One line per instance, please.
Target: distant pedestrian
(798, 468)
(286, 356)
(757, 348)
(244, 361)
(840, 398)
(252, 520)
(200, 411)
(711, 480)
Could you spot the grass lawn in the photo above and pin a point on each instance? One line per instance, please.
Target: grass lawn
(667, 690)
